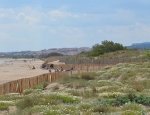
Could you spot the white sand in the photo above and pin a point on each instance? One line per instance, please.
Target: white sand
(11, 69)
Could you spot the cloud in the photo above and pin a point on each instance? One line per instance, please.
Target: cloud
(38, 28)
(31, 16)
(58, 14)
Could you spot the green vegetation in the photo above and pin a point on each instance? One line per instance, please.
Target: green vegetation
(4, 106)
(105, 47)
(123, 89)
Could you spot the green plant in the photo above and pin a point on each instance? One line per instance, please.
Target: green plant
(131, 112)
(10, 97)
(101, 108)
(121, 100)
(41, 85)
(132, 106)
(145, 100)
(67, 99)
(138, 86)
(27, 101)
(51, 112)
(85, 107)
(28, 91)
(4, 106)
(88, 76)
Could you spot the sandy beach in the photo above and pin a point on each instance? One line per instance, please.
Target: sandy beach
(13, 69)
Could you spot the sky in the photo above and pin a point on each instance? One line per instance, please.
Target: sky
(43, 24)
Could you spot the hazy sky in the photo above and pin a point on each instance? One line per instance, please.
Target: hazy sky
(43, 24)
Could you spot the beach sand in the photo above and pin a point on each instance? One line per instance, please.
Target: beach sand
(13, 69)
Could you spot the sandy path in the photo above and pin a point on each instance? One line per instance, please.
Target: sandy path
(11, 69)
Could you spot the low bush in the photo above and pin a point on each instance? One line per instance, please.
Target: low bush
(10, 97)
(28, 91)
(41, 86)
(101, 109)
(85, 107)
(4, 106)
(121, 100)
(67, 99)
(111, 94)
(27, 101)
(144, 100)
(51, 112)
(138, 86)
(131, 112)
(88, 76)
(132, 106)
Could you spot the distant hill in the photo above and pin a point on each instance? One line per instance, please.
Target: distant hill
(145, 45)
(44, 53)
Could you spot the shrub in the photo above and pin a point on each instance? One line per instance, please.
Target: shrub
(88, 76)
(130, 112)
(121, 100)
(69, 110)
(138, 86)
(142, 100)
(85, 107)
(27, 101)
(74, 92)
(101, 108)
(41, 86)
(102, 105)
(69, 79)
(51, 112)
(54, 99)
(88, 94)
(10, 97)
(111, 94)
(67, 99)
(4, 106)
(77, 84)
(28, 91)
(132, 106)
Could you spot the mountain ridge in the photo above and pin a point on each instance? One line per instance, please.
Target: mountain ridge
(144, 45)
(63, 51)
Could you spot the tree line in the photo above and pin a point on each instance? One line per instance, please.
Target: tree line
(105, 47)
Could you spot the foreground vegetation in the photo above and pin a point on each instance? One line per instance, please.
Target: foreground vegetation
(123, 89)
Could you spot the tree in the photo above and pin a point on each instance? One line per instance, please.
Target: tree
(105, 47)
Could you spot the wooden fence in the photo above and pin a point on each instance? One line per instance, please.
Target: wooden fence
(18, 86)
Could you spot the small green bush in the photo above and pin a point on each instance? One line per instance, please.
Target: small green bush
(101, 108)
(28, 91)
(41, 86)
(51, 112)
(132, 106)
(144, 100)
(88, 76)
(67, 99)
(4, 106)
(131, 112)
(121, 100)
(10, 97)
(27, 101)
(85, 107)
(138, 86)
